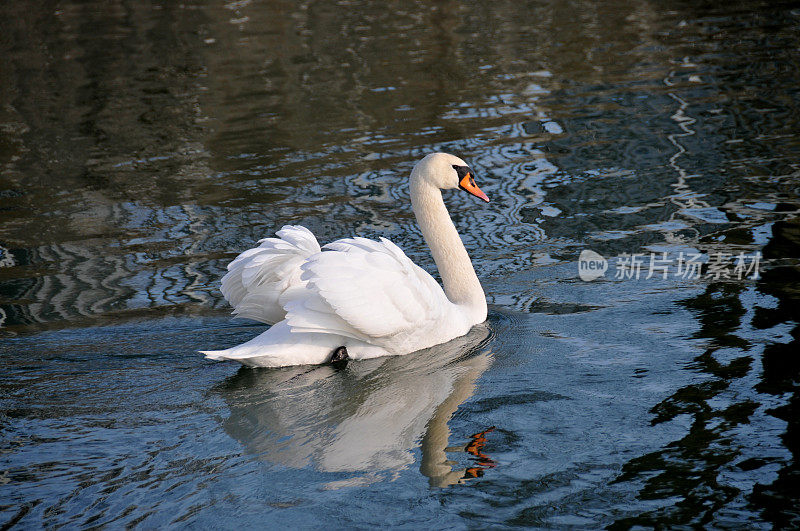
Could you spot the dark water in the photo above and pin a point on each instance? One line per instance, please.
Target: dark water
(143, 146)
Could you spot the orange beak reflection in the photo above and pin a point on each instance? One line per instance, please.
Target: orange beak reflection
(467, 183)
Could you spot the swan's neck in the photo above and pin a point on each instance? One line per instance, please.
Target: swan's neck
(461, 284)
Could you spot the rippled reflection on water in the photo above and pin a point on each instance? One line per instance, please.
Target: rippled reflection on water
(143, 145)
(364, 420)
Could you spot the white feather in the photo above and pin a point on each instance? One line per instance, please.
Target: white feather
(258, 279)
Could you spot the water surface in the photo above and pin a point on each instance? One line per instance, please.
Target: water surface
(143, 146)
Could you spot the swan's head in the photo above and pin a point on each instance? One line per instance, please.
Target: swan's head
(446, 172)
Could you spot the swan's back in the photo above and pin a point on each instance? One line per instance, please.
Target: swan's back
(371, 291)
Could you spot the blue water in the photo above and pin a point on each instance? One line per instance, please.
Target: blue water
(143, 146)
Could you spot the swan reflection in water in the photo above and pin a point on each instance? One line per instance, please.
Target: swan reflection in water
(366, 418)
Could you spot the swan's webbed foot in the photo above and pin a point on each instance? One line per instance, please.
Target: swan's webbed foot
(340, 357)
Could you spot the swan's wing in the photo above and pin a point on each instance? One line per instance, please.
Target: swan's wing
(260, 280)
(366, 290)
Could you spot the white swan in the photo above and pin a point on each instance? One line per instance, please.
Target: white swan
(364, 295)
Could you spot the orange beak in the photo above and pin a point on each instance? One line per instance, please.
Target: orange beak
(468, 184)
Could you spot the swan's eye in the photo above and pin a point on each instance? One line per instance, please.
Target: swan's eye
(462, 171)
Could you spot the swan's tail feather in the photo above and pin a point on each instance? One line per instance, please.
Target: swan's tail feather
(244, 358)
(278, 347)
(216, 355)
